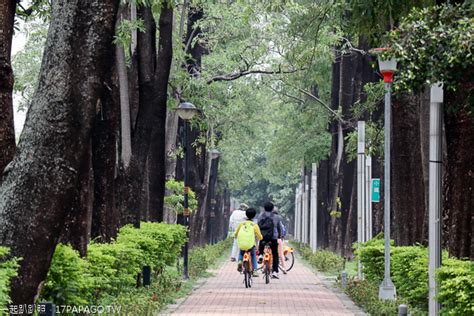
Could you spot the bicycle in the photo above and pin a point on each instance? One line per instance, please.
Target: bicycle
(288, 256)
(247, 268)
(267, 262)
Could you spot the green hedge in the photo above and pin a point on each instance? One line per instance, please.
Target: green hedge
(322, 260)
(456, 292)
(409, 273)
(112, 268)
(8, 270)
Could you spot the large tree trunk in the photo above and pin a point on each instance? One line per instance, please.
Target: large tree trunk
(7, 131)
(198, 163)
(77, 225)
(407, 187)
(158, 146)
(169, 215)
(210, 217)
(323, 214)
(125, 123)
(39, 186)
(131, 182)
(458, 232)
(425, 158)
(340, 196)
(334, 130)
(199, 169)
(106, 215)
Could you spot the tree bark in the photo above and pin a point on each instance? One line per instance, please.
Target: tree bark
(198, 159)
(170, 163)
(158, 145)
(106, 215)
(458, 231)
(425, 157)
(7, 130)
(210, 217)
(407, 188)
(39, 186)
(77, 225)
(324, 218)
(342, 171)
(125, 123)
(131, 180)
(199, 171)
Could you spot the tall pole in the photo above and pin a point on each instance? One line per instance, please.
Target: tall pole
(186, 205)
(300, 213)
(295, 229)
(313, 232)
(387, 288)
(360, 187)
(368, 195)
(435, 197)
(306, 210)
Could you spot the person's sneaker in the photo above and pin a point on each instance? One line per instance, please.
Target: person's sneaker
(260, 259)
(275, 275)
(283, 270)
(239, 266)
(255, 274)
(232, 259)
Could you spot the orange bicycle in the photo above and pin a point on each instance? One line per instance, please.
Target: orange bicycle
(247, 268)
(288, 257)
(267, 261)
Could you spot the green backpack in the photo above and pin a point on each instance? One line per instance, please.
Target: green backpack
(246, 236)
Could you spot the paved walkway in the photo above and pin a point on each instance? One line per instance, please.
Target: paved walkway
(300, 292)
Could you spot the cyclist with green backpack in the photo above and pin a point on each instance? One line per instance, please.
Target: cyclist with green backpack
(245, 234)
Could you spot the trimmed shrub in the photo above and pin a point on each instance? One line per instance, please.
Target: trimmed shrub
(371, 254)
(146, 301)
(68, 280)
(113, 267)
(110, 269)
(158, 243)
(409, 269)
(327, 261)
(456, 291)
(322, 260)
(8, 270)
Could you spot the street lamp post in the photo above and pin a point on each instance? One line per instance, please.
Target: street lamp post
(387, 67)
(435, 194)
(186, 112)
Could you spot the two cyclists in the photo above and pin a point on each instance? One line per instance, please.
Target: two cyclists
(269, 229)
(245, 234)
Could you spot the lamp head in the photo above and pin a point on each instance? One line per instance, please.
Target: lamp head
(386, 66)
(186, 111)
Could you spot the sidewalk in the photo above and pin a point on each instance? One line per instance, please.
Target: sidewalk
(300, 292)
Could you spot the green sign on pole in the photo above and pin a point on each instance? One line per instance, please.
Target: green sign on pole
(375, 190)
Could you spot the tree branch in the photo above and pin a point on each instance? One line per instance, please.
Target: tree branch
(327, 107)
(236, 75)
(352, 48)
(299, 100)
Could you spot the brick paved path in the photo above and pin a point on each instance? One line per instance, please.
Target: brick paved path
(300, 292)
